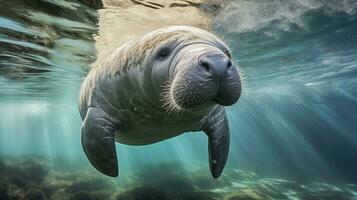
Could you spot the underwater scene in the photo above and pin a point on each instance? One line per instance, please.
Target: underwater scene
(293, 131)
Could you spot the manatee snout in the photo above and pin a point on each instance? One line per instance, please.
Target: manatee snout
(213, 78)
(224, 75)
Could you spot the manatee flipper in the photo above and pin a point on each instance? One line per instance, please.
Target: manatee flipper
(217, 131)
(98, 141)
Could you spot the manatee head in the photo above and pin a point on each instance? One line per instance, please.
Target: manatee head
(193, 69)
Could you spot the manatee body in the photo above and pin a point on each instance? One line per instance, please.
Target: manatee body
(173, 80)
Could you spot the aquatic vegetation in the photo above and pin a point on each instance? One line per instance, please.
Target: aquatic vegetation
(35, 178)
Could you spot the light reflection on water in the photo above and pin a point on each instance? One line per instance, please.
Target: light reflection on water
(299, 60)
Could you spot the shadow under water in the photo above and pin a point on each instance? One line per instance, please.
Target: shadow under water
(293, 132)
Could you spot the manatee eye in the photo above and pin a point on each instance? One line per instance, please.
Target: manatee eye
(164, 53)
(226, 51)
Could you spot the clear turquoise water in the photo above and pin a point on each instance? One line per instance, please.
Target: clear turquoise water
(294, 130)
(299, 109)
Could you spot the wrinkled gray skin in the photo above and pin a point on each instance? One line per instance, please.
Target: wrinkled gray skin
(129, 108)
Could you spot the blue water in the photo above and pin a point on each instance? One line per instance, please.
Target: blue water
(296, 121)
(299, 110)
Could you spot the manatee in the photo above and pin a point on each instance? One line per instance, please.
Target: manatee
(173, 80)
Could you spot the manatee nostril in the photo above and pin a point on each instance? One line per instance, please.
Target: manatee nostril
(205, 65)
(216, 64)
(229, 64)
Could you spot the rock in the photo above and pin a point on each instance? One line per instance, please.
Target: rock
(90, 184)
(156, 192)
(241, 175)
(203, 180)
(78, 184)
(34, 170)
(144, 193)
(35, 194)
(168, 181)
(247, 194)
(20, 178)
(3, 191)
(34, 178)
(95, 195)
(25, 170)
